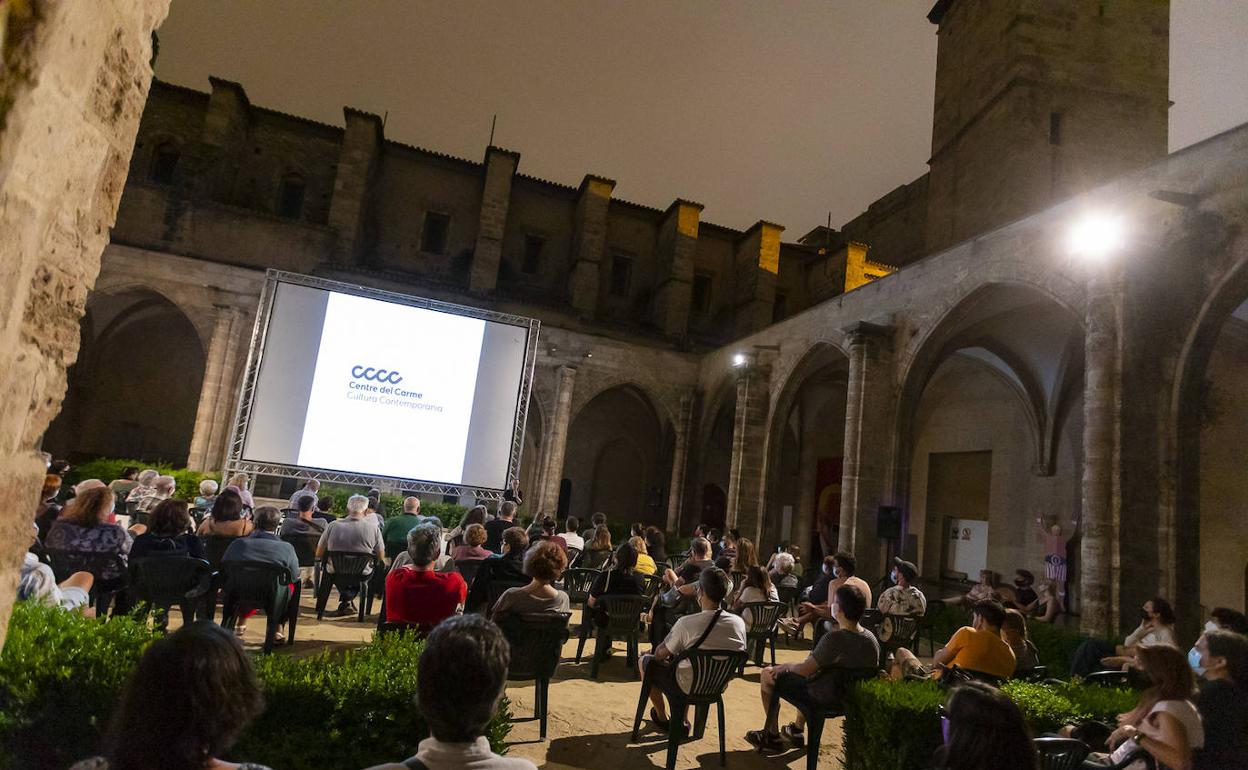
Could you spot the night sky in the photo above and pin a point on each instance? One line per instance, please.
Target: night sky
(780, 110)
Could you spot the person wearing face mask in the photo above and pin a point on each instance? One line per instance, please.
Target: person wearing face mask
(902, 598)
(1221, 660)
(816, 595)
(1156, 627)
(843, 567)
(1025, 598)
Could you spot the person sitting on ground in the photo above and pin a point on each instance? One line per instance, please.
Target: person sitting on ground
(226, 517)
(494, 529)
(415, 593)
(656, 545)
(977, 647)
(187, 719)
(811, 682)
(712, 629)
(325, 509)
(987, 731)
(478, 514)
(459, 679)
(1156, 627)
(756, 588)
(780, 567)
(124, 484)
(1165, 722)
(983, 591)
(169, 533)
(239, 484)
(48, 509)
(621, 578)
(162, 489)
(37, 583)
(352, 534)
(645, 564)
(571, 534)
(263, 545)
(544, 563)
(474, 539)
(506, 568)
(395, 529)
(1014, 633)
(303, 522)
(310, 487)
(599, 519)
(599, 551)
(83, 527)
(1025, 598)
(145, 485)
(548, 527)
(207, 494)
(902, 598)
(1222, 661)
(727, 550)
(1049, 606)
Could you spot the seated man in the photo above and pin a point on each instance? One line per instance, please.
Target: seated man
(396, 528)
(263, 545)
(162, 489)
(810, 682)
(902, 598)
(710, 629)
(353, 534)
(459, 679)
(303, 523)
(983, 591)
(416, 593)
(36, 583)
(505, 569)
(680, 596)
(977, 647)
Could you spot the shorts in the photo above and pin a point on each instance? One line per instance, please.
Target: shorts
(73, 597)
(795, 689)
(664, 676)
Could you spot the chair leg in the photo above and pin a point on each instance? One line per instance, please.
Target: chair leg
(630, 654)
(814, 734)
(641, 706)
(700, 715)
(323, 587)
(773, 648)
(583, 633)
(544, 689)
(676, 731)
(601, 641)
(363, 598)
(723, 754)
(271, 621)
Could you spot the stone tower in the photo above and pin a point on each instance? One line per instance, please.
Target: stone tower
(1037, 100)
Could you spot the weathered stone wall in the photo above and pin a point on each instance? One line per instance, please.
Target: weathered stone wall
(74, 88)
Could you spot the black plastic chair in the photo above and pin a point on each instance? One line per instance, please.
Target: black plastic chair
(164, 581)
(761, 629)
(467, 569)
(675, 561)
(903, 631)
(497, 588)
(844, 679)
(650, 585)
(394, 548)
(254, 585)
(1111, 678)
(536, 641)
(623, 616)
(594, 560)
(1061, 753)
(214, 549)
(711, 670)
(109, 573)
(349, 570)
(573, 554)
(577, 582)
(928, 626)
(304, 544)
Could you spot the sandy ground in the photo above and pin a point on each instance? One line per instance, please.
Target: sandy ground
(590, 722)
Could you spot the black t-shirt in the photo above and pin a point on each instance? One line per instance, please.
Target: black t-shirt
(503, 569)
(1224, 712)
(148, 544)
(614, 582)
(494, 534)
(1024, 596)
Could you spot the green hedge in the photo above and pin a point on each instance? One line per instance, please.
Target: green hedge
(1055, 644)
(61, 675)
(108, 468)
(449, 513)
(896, 725)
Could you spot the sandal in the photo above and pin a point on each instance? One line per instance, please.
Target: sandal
(794, 735)
(764, 741)
(662, 724)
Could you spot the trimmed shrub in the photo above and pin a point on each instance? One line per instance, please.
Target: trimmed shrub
(108, 468)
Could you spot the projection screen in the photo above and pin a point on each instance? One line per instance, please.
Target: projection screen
(364, 386)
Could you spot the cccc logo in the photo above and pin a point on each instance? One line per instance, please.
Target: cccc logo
(376, 375)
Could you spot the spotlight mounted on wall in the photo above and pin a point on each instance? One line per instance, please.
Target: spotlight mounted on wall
(1097, 236)
(739, 360)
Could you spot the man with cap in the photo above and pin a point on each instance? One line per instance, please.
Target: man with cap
(902, 598)
(1024, 594)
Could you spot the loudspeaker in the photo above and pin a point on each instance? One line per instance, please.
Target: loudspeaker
(888, 523)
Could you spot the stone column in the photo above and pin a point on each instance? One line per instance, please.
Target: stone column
(589, 243)
(867, 443)
(358, 158)
(745, 475)
(500, 169)
(756, 264)
(213, 417)
(560, 422)
(680, 461)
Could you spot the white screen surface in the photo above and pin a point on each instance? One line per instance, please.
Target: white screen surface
(367, 386)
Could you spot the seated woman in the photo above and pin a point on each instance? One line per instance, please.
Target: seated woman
(473, 537)
(1156, 627)
(549, 532)
(1014, 633)
(168, 534)
(83, 528)
(656, 545)
(1049, 606)
(1221, 659)
(987, 731)
(416, 593)
(984, 590)
(621, 578)
(238, 485)
(757, 588)
(188, 720)
(598, 552)
(207, 494)
(645, 564)
(459, 535)
(781, 567)
(226, 518)
(544, 563)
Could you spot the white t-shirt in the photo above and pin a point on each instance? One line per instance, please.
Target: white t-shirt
(573, 540)
(1183, 711)
(728, 634)
(751, 594)
(1149, 637)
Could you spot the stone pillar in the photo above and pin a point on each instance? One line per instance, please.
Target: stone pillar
(680, 461)
(358, 158)
(807, 468)
(589, 243)
(745, 474)
(561, 419)
(678, 241)
(868, 441)
(214, 419)
(70, 103)
(755, 266)
(223, 140)
(500, 168)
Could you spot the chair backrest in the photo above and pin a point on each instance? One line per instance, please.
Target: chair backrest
(394, 547)
(304, 544)
(349, 564)
(573, 555)
(254, 583)
(789, 594)
(712, 671)
(214, 548)
(905, 631)
(871, 620)
(595, 559)
(676, 560)
(577, 582)
(497, 588)
(650, 585)
(1061, 753)
(536, 641)
(763, 616)
(623, 612)
(467, 569)
(164, 580)
(101, 565)
(1111, 678)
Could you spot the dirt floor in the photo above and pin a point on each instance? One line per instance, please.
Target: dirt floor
(590, 722)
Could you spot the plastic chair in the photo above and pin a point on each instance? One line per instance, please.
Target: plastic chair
(903, 632)
(254, 585)
(497, 588)
(577, 582)
(214, 548)
(1111, 678)
(536, 641)
(468, 569)
(712, 670)
(594, 560)
(650, 585)
(1060, 753)
(815, 718)
(163, 581)
(108, 570)
(927, 626)
(761, 630)
(573, 555)
(398, 627)
(623, 615)
(350, 570)
(674, 562)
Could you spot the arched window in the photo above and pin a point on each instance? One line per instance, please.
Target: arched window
(290, 196)
(164, 161)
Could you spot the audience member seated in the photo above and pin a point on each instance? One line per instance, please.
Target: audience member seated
(459, 680)
(548, 532)
(986, 731)
(304, 522)
(699, 558)
(311, 487)
(168, 533)
(1227, 619)
(173, 716)
(1222, 662)
(597, 520)
(1049, 606)
(83, 527)
(36, 583)
(977, 647)
(1156, 627)
(599, 550)
(1014, 633)
(781, 566)
(621, 578)
(1025, 597)
(656, 545)
(843, 568)
(1165, 722)
(124, 484)
(144, 487)
(416, 593)
(544, 563)
(727, 551)
(476, 515)
(680, 596)
(374, 513)
(757, 588)
(226, 517)
(238, 484)
(571, 534)
(494, 529)
(710, 629)
(472, 548)
(901, 598)
(48, 509)
(395, 529)
(263, 545)
(207, 494)
(325, 509)
(811, 682)
(507, 567)
(983, 591)
(162, 489)
(351, 534)
(645, 564)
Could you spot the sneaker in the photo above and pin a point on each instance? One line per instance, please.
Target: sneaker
(346, 609)
(764, 741)
(794, 735)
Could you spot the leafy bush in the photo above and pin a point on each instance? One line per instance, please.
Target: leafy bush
(449, 513)
(108, 468)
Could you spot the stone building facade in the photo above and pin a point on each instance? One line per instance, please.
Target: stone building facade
(690, 372)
